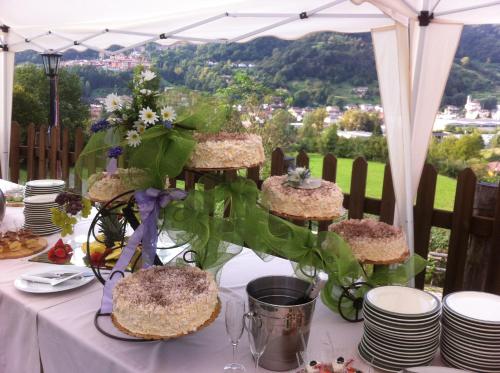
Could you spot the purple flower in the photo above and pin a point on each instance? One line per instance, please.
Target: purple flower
(99, 126)
(167, 124)
(115, 152)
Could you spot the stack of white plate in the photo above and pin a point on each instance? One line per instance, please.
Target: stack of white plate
(471, 331)
(401, 328)
(37, 215)
(44, 186)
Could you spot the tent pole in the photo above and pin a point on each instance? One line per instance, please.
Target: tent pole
(473, 7)
(6, 84)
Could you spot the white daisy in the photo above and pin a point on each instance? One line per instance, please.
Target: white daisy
(147, 75)
(168, 113)
(133, 138)
(146, 92)
(148, 116)
(139, 127)
(112, 102)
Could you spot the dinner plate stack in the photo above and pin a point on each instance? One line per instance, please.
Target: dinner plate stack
(471, 331)
(44, 186)
(37, 215)
(401, 328)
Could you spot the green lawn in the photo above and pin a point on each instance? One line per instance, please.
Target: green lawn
(445, 190)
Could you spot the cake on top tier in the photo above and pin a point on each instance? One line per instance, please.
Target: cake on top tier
(165, 302)
(226, 151)
(323, 202)
(373, 241)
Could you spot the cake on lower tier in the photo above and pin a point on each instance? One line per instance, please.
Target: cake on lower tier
(165, 302)
(322, 203)
(104, 187)
(226, 151)
(373, 241)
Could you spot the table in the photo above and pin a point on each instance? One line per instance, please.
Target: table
(57, 331)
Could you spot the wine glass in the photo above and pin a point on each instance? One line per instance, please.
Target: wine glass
(258, 335)
(235, 310)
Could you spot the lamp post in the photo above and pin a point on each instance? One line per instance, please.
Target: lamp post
(51, 65)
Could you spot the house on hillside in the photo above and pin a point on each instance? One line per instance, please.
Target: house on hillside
(360, 91)
(472, 108)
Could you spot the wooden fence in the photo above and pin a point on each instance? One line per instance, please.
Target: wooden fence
(45, 155)
(461, 222)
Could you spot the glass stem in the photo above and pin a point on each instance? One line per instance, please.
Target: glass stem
(257, 363)
(235, 348)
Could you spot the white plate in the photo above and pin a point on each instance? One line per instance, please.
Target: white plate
(391, 318)
(402, 300)
(475, 305)
(434, 370)
(41, 199)
(39, 288)
(45, 183)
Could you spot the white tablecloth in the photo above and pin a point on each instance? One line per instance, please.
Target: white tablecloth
(57, 331)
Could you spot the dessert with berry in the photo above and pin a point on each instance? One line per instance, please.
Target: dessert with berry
(299, 196)
(60, 253)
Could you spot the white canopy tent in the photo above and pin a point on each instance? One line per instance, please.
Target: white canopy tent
(414, 40)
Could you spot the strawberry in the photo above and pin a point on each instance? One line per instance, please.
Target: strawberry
(96, 258)
(60, 252)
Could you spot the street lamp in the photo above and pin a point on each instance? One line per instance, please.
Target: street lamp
(51, 65)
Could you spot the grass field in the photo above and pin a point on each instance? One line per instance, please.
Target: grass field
(445, 190)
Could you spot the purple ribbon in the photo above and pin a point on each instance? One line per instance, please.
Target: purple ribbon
(112, 166)
(149, 201)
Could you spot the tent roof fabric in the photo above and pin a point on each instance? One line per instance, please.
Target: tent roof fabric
(79, 24)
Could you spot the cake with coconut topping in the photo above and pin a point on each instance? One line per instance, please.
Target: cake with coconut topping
(165, 302)
(373, 241)
(226, 151)
(320, 202)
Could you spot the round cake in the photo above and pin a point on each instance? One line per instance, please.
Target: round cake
(165, 302)
(226, 151)
(104, 187)
(373, 241)
(322, 203)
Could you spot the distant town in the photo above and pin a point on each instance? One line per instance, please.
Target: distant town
(468, 118)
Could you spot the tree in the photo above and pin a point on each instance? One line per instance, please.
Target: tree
(309, 134)
(31, 97)
(329, 140)
(356, 120)
(277, 132)
(489, 103)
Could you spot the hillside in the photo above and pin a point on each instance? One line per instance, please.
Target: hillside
(316, 70)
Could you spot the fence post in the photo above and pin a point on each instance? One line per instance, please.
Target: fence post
(358, 188)
(277, 162)
(42, 143)
(493, 275)
(78, 151)
(388, 201)
(480, 247)
(329, 174)
(460, 228)
(253, 173)
(30, 152)
(189, 180)
(302, 159)
(423, 216)
(15, 143)
(65, 155)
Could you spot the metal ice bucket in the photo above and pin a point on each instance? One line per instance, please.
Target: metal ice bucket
(289, 324)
